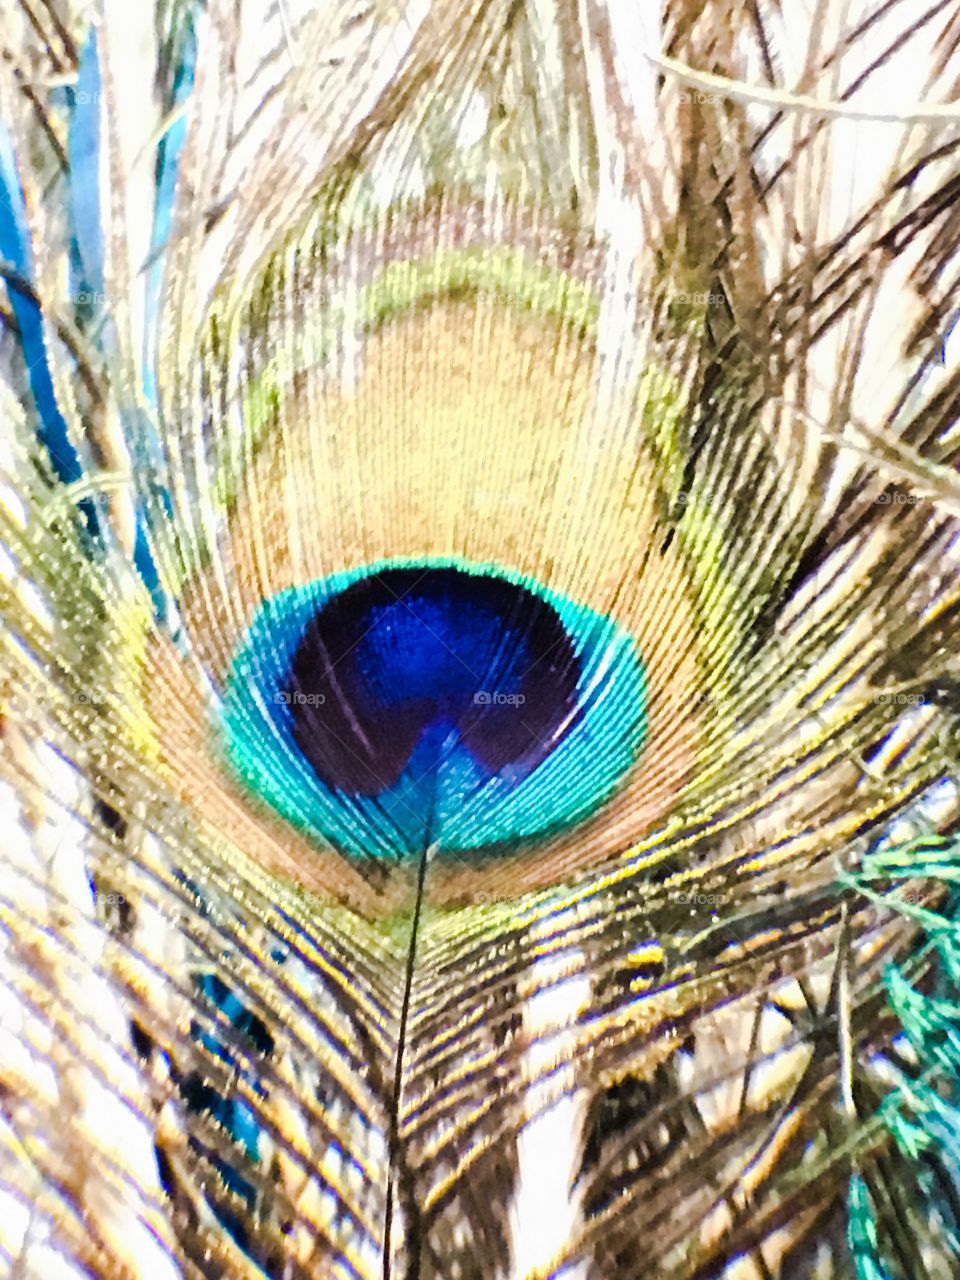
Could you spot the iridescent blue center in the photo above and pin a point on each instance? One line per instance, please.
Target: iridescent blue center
(432, 703)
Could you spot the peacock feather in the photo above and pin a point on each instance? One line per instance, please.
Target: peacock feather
(480, 571)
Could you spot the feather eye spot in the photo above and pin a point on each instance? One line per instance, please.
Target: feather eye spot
(432, 702)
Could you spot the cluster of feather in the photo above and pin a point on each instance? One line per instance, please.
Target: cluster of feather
(652, 304)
